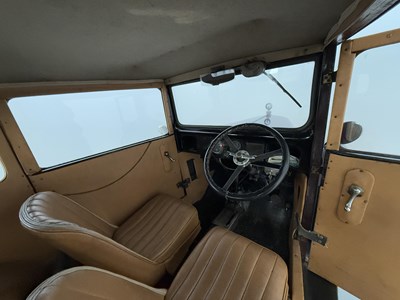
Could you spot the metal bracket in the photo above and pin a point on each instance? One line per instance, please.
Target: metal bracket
(301, 232)
(329, 78)
(183, 184)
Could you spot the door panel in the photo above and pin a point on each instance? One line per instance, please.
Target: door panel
(24, 259)
(364, 258)
(116, 184)
(362, 253)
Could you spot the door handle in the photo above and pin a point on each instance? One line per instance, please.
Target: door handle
(354, 191)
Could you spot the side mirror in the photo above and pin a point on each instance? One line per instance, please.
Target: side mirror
(351, 132)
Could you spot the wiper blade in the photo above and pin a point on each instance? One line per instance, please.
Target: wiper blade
(281, 87)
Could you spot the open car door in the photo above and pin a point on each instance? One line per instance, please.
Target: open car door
(359, 198)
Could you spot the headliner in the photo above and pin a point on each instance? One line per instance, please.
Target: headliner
(51, 40)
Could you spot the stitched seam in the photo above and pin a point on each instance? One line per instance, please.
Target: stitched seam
(90, 222)
(192, 235)
(177, 236)
(36, 292)
(158, 227)
(151, 205)
(79, 292)
(234, 273)
(38, 197)
(64, 206)
(205, 267)
(139, 227)
(251, 275)
(200, 252)
(90, 212)
(105, 240)
(220, 268)
(269, 277)
(66, 272)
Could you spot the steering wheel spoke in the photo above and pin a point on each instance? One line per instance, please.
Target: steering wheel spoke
(233, 177)
(231, 144)
(267, 155)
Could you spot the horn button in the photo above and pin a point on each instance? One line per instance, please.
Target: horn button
(241, 158)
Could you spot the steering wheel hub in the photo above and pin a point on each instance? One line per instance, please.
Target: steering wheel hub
(241, 158)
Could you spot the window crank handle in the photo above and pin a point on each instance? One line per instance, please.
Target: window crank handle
(354, 191)
(167, 155)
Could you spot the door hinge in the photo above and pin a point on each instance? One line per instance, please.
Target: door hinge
(183, 184)
(329, 78)
(301, 232)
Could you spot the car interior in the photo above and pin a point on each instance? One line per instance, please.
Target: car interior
(199, 150)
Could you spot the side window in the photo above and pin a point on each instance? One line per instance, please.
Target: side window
(3, 173)
(373, 100)
(66, 127)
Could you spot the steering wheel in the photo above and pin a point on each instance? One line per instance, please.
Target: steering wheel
(248, 169)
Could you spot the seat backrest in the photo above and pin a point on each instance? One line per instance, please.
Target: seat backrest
(47, 210)
(86, 237)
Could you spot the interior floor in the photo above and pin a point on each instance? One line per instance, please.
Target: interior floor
(266, 221)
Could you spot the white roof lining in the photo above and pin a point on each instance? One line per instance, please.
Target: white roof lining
(143, 39)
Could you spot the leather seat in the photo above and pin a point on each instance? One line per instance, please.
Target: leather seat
(152, 241)
(224, 265)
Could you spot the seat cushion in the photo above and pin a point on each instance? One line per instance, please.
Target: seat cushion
(92, 283)
(150, 243)
(228, 266)
(160, 228)
(223, 266)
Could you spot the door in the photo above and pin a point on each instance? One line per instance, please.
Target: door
(359, 199)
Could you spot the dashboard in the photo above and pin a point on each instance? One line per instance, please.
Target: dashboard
(197, 142)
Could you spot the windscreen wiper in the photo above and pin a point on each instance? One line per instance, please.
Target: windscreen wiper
(281, 87)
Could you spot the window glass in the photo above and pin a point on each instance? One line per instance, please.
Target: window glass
(373, 100)
(66, 127)
(257, 99)
(344, 295)
(3, 172)
(390, 20)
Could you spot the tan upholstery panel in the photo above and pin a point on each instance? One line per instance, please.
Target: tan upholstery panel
(84, 236)
(24, 259)
(363, 259)
(228, 266)
(151, 233)
(92, 283)
(50, 208)
(117, 184)
(223, 266)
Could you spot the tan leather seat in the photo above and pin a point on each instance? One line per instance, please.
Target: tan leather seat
(223, 266)
(152, 241)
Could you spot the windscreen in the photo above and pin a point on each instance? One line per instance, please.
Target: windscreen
(269, 99)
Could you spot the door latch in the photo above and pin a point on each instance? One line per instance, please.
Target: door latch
(184, 184)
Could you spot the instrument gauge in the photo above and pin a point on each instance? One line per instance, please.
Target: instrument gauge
(218, 148)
